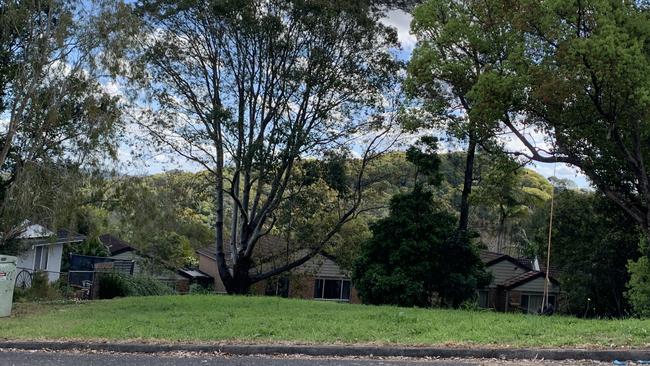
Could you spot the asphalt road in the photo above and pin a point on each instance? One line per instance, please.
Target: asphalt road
(43, 358)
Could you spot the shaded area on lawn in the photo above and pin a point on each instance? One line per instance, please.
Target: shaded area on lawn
(268, 319)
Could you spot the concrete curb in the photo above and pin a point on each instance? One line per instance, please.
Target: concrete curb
(341, 351)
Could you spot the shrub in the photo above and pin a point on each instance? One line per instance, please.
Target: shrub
(196, 289)
(115, 284)
(41, 290)
(639, 286)
(111, 285)
(147, 286)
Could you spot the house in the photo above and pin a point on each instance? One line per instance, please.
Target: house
(517, 284)
(44, 249)
(144, 264)
(195, 276)
(119, 249)
(320, 278)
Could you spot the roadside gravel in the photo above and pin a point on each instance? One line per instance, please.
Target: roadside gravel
(11, 357)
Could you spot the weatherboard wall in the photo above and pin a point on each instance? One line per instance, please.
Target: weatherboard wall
(54, 254)
(536, 286)
(503, 271)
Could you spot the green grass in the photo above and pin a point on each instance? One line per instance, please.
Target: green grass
(265, 319)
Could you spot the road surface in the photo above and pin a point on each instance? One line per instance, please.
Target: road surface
(46, 358)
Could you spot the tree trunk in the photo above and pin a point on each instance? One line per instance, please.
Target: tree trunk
(467, 184)
(241, 281)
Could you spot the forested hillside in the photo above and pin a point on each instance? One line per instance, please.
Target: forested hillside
(169, 215)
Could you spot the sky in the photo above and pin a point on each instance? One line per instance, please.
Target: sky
(398, 19)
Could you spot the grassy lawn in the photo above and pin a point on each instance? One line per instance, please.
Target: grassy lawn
(266, 319)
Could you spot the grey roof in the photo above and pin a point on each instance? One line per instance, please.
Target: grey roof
(62, 237)
(193, 273)
(525, 277)
(489, 258)
(115, 245)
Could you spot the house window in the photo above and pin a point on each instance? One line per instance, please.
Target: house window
(332, 289)
(277, 286)
(532, 304)
(483, 299)
(40, 258)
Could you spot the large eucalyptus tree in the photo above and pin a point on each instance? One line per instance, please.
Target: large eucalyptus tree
(55, 115)
(247, 89)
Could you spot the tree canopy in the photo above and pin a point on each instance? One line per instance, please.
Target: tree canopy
(578, 73)
(593, 240)
(56, 116)
(247, 89)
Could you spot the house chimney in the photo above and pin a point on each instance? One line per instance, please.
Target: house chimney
(536, 264)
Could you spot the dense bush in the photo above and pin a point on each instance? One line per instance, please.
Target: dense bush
(41, 290)
(197, 289)
(414, 253)
(119, 285)
(593, 240)
(110, 285)
(639, 286)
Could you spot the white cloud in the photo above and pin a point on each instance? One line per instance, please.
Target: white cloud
(401, 20)
(4, 123)
(563, 171)
(113, 88)
(540, 140)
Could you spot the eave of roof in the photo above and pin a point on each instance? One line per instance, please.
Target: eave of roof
(505, 257)
(122, 250)
(115, 245)
(206, 252)
(61, 237)
(525, 278)
(193, 273)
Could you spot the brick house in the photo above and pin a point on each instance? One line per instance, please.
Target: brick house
(320, 278)
(517, 284)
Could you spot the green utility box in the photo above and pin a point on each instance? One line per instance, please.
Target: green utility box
(7, 281)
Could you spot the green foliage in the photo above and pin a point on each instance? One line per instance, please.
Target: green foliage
(593, 240)
(505, 198)
(147, 286)
(424, 157)
(166, 216)
(196, 289)
(59, 119)
(579, 73)
(173, 248)
(413, 254)
(41, 290)
(639, 286)
(320, 69)
(113, 285)
(452, 53)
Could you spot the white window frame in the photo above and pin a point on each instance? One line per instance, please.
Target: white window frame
(529, 294)
(38, 259)
(341, 281)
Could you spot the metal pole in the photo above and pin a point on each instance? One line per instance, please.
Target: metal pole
(548, 246)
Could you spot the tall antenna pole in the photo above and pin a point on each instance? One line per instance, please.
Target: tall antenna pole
(548, 246)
